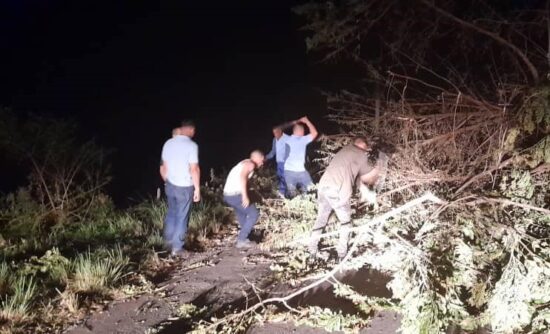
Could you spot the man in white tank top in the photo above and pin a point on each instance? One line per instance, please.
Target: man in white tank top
(235, 194)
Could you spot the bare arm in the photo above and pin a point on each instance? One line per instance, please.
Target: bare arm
(371, 177)
(312, 129)
(247, 168)
(196, 176)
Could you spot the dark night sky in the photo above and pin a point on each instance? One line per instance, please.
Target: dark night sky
(129, 72)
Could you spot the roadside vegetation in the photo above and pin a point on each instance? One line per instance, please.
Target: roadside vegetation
(64, 247)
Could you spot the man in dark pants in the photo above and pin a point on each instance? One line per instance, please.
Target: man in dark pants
(181, 173)
(235, 194)
(336, 188)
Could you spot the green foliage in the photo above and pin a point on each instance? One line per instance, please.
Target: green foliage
(330, 320)
(288, 220)
(535, 115)
(206, 218)
(188, 311)
(66, 176)
(517, 185)
(15, 307)
(20, 213)
(97, 272)
(52, 265)
(5, 278)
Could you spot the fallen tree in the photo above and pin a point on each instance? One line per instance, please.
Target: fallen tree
(468, 121)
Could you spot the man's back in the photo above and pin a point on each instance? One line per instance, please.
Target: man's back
(343, 170)
(178, 153)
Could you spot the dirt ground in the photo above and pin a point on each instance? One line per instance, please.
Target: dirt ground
(219, 279)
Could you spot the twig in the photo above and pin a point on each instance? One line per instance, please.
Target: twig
(485, 173)
(510, 202)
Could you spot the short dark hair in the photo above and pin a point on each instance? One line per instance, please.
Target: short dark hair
(187, 123)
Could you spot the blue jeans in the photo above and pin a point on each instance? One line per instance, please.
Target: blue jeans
(179, 201)
(281, 177)
(295, 180)
(247, 217)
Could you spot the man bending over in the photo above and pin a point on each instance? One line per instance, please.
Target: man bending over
(235, 194)
(295, 171)
(335, 190)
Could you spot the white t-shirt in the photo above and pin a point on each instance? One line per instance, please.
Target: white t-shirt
(233, 183)
(178, 153)
(295, 162)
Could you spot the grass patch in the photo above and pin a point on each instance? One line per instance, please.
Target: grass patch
(16, 306)
(97, 274)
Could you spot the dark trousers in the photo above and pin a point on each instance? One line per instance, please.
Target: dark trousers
(247, 217)
(281, 177)
(295, 180)
(179, 201)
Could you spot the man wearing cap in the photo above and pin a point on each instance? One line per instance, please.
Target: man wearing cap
(181, 174)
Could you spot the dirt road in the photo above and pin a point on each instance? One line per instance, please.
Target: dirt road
(215, 281)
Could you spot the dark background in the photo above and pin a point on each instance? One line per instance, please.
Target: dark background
(128, 72)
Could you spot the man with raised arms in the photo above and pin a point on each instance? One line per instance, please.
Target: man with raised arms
(296, 175)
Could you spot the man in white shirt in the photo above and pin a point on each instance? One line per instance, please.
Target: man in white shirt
(235, 194)
(181, 173)
(295, 171)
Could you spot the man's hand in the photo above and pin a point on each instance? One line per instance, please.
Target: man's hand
(245, 201)
(304, 119)
(197, 195)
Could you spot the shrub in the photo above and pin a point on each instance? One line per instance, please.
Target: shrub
(52, 266)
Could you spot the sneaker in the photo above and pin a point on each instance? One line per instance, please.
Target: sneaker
(245, 244)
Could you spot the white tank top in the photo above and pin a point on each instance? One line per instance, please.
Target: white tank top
(233, 183)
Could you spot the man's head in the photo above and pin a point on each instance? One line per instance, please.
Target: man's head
(257, 158)
(277, 132)
(187, 128)
(298, 129)
(175, 132)
(361, 142)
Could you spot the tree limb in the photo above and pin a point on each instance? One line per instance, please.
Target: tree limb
(494, 36)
